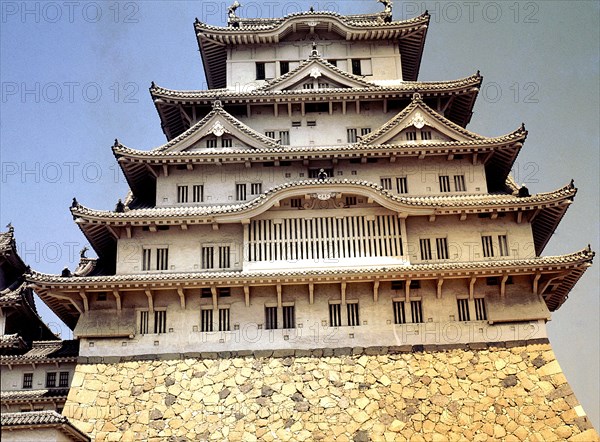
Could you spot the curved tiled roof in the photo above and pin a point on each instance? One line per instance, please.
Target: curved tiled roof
(435, 202)
(317, 60)
(406, 87)
(33, 395)
(580, 257)
(42, 419)
(45, 351)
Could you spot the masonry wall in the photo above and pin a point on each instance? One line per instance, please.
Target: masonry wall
(512, 392)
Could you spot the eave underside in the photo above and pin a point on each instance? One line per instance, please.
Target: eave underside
(179, 113)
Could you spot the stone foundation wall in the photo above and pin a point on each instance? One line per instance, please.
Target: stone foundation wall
(515, 392)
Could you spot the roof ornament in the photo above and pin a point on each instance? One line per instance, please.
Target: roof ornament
(74, 203)
(116, 143)
(82, 252)
(311, 9)
(217, 104)
(218, 129)
(66, 273)
(418, 121)
(315, 72)
(416, 96)
(120, 207)
(322, 176)
(387, 9)
(232, 19)
(314, 52)
(523, 192)
(572, 184)
(10, 227)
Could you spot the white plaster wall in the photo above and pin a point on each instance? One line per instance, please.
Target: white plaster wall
(38, 435)
(312, 330)
(241, 70)
(220, 181)
(12, 379)
(184, 246)
(464, 237)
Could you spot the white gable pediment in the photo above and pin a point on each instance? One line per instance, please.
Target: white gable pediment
(418, 123)
(320, 74)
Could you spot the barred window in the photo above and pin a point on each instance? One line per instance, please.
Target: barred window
(365, 131)
(207, 257)
(463, 310)
(350, 201)
(411, 135)
(182, 194)
(444, 183)
(425, 245)
(296, 203)
(144, 322)
(160, 321)
(399, 316)
(27, 380)
(206, 317)
(307, 86)
(416, 310)
(226, 142)
(480, 311)
(386, 183)
(63, 380)
(402, 184)
(284, 137)
(426, 135)
(224, 257)
(198, 193)
(256, 188)
(284, 67)
(146, 255)
(459, 183)
(211, 143)
(162, 259)
(323, 85)
(224, 319)
(502, 245)
(240, 192)
(270, 134)
(270, 318)
(335, 315)
(352, 310)
(441, 245)
(289, 316)
(488, 246)
(51, 379)
(351, 134)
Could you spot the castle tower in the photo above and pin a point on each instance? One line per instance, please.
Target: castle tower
(321, 250)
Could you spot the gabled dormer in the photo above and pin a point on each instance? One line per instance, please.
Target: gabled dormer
(418, 123)
(316, 73)
(219, 130)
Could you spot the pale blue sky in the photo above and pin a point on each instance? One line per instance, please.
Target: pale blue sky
(74, 79)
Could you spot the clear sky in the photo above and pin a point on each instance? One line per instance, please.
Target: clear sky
(75, 75)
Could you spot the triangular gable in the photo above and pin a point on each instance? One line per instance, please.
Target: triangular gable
(218, 125)
(315, 70)
(418, 117)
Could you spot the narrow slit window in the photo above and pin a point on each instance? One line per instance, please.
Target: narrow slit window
(488, 246)
(444, 183)
(502, 245)
(162, 259)
(352, 310)
(160, 321)
(198, 193)
(425, 246)
(289, 316)
(224, 319)
(463, 310)
(27, 380)
(416, 311)
(270, 318)
(459, 183)
(240, 192)
(399, 314)
(386, 183)
(335, 315)
(144, 322)
(206, 318)
(402, 185)
(182, 194)
(480, 311)
(441, 245)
